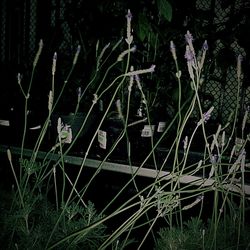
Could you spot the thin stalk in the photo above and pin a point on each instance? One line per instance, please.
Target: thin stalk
(55, 185)
(19, 190)
(82, 165)
(149, 230)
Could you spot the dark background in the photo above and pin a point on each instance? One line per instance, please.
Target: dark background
(63, 24)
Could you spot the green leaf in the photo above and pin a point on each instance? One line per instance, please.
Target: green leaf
(165, 9)
(144, 27)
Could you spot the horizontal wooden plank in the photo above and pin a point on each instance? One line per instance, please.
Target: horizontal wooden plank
(126, 169)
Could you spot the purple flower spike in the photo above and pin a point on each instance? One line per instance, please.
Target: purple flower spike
(189, 54)
(189, 37)
(206, 116)
(205, 46)
(129, 16)
(152, 68)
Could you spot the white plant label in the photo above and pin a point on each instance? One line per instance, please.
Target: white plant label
(102, 139)
(161, 127)
(148, 131)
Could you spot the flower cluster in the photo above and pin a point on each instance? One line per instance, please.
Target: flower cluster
(54, 64)
(38, 53)
(206, 116)
(77, 54)
(129, 38)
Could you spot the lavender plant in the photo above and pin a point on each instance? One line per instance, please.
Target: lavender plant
(49, 208)
(220, 181)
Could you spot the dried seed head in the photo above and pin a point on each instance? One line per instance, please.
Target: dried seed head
(185, 143)
(142, 71)
(19, 78)
(77, 54)
(50, 102)
(243, 161)
(54, 63)
(38, 53)
(239, 62)
(129, 38)
(59, 126)
(9, 155)
(173, 50)
(124, 53)
(131, 80)
(244, 121)
(119, 108)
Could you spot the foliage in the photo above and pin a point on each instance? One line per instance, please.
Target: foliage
(175, 238)
(197, 235)
(29, 227)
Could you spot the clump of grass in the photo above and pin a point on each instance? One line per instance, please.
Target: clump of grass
(196, 234)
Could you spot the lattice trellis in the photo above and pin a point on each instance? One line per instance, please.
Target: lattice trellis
(32, 28)
(67, 41)
(3, 30)
(223, 85)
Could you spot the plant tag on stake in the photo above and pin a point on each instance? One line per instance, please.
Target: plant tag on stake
(148, 131)
(102, 139)
(66, 134)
